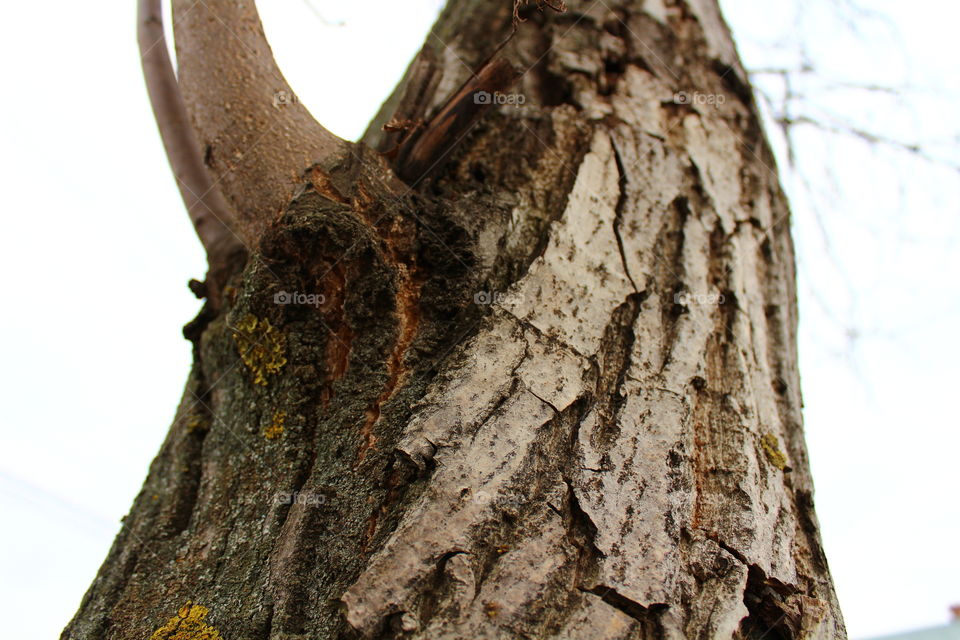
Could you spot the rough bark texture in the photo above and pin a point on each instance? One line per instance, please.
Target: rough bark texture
(551, 391)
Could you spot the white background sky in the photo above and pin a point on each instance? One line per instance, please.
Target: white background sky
(97, 250)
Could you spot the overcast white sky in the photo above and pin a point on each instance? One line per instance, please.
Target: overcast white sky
(97, 251)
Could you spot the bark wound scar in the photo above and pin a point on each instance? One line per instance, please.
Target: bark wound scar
(337, 351)
(408, 314)
(398, 253)
(324, 186)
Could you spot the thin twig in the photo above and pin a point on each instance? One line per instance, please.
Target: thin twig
(208, 210)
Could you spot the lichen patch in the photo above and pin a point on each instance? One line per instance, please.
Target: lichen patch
(188, 624)
(197, 422)
(262, 347)
(275, 429)
(771, 447)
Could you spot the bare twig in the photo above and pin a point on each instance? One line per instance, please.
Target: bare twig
(208, 210)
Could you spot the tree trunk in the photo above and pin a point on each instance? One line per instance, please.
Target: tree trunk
(549, 390)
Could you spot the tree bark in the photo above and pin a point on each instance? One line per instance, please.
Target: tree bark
(549, 390)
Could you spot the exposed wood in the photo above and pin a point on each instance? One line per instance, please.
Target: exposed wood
(426, 149)
(409, 106)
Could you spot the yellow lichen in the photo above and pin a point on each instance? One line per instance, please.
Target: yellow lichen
(262, 348)
(188, 624)
(196, 422)
(771, 447)
(275, 430)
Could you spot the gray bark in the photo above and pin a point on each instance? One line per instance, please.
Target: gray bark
(552, 390)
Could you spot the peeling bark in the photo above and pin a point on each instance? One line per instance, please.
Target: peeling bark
(551, 392)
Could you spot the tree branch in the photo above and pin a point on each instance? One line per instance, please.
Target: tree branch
(208, 210)
(258, 138)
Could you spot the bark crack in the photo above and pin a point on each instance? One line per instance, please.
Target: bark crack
(552, 339)
(541, 399)
(619, 209)
(726, 547)
(645, 614)
(775, 612)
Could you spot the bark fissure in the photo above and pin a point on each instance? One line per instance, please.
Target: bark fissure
(644, 614)
(621, 203)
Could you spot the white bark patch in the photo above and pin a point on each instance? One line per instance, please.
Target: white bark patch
(712, 145)
(597, 620)
(654, 179)
(641, 102)
(571, 290)
(517, 581)
(460, 398)
(552, 373)
(656, 9)
(641, 562)
(701, 301)
(462, 494)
